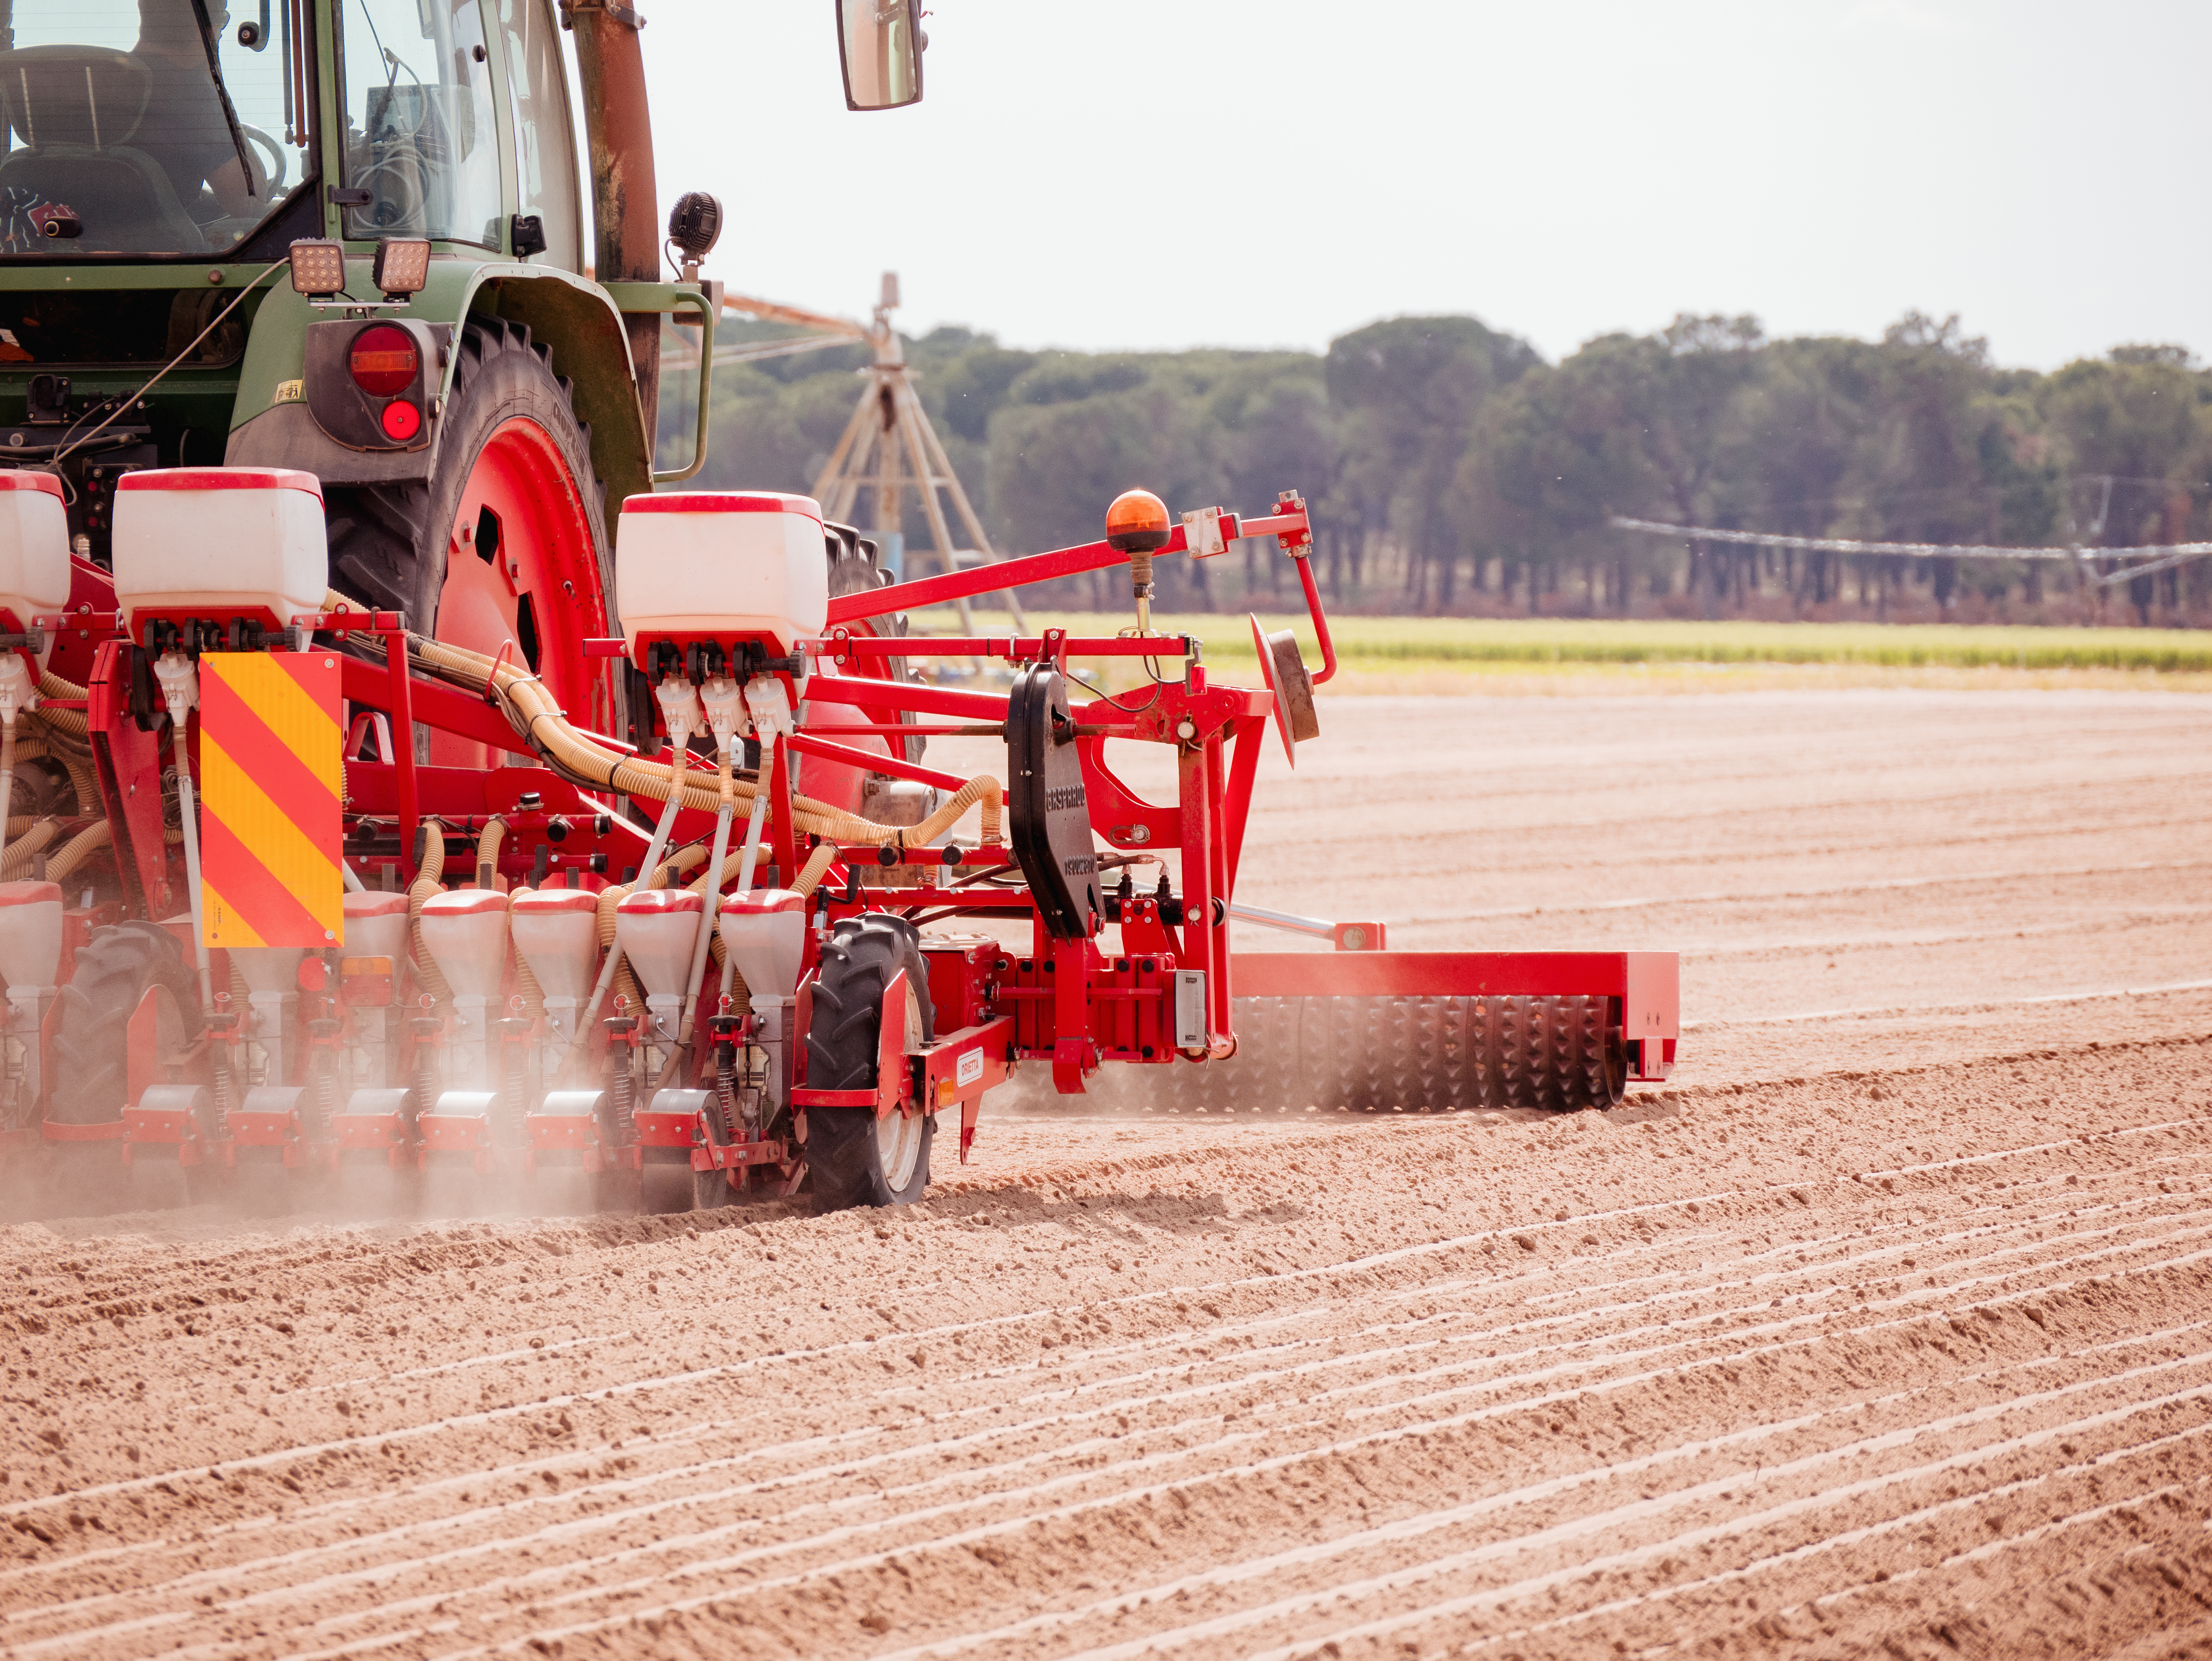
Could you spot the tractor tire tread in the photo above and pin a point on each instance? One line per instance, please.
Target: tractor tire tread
(388, 542)
(858, 961)
(112, 972)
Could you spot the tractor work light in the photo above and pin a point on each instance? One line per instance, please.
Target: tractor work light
(318, 268)
(695, 225)
(403, 266)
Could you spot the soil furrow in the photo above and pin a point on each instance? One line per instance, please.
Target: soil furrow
(1880, 1331)
(745, 1559)
(601, 1492)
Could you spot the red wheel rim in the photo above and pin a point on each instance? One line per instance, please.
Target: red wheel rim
(522, 572)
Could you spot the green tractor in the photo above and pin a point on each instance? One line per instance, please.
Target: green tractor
(348, 237)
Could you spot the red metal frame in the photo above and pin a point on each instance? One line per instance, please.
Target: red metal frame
(1055, 645)
(1063, 1002)
(1648, 983)
(382, 1134)
(895, 766)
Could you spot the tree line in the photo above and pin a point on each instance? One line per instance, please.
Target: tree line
(1451, 470)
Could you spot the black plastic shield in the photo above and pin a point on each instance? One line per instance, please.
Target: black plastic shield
(1047, 814)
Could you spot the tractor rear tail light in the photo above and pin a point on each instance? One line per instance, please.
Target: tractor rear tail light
(384, 360)
(374, 385)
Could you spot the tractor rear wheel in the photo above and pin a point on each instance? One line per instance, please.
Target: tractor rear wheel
(505, 546)
(857, 1159)
(112, 973)
(91, 1077)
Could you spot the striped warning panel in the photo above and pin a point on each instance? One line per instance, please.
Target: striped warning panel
(271, 827)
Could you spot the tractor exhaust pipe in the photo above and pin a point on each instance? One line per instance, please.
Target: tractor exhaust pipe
(625, 201)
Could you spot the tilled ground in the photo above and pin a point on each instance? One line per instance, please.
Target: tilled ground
(1883, 1332)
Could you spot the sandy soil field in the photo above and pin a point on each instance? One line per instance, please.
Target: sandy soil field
(1884, 1329)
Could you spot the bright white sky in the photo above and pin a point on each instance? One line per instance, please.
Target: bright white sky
(1163, 173)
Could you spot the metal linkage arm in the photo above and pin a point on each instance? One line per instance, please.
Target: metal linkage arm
(897, 766)
(1345, 936)
(1018, 648)
(1319, 621)
(908, 695)
(1042, 568)
(984, 580)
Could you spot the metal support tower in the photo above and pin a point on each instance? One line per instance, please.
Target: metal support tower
(889, 448)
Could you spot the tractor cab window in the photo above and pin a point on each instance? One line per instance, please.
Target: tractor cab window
(145, 127)
(422, 134)
(544, 143)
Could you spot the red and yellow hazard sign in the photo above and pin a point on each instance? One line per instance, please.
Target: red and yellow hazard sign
(270, 823)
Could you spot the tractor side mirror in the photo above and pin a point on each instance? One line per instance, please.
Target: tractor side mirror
(879, 43)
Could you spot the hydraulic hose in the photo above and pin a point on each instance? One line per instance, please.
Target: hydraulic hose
(63, 734)
(617, 971)
(578, 756)
(427, 882)
(24, 847)
(810, 879)
(526, 987)
(710, 884)
(79, 848)
(488, 842)
(71, 721)
(7, 775)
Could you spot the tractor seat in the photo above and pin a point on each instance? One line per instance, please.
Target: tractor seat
(72, 113)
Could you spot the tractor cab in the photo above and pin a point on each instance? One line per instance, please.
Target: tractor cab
(168, 128)
(343, 241)
(146, 127)
(160, 159)
(162, 156)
